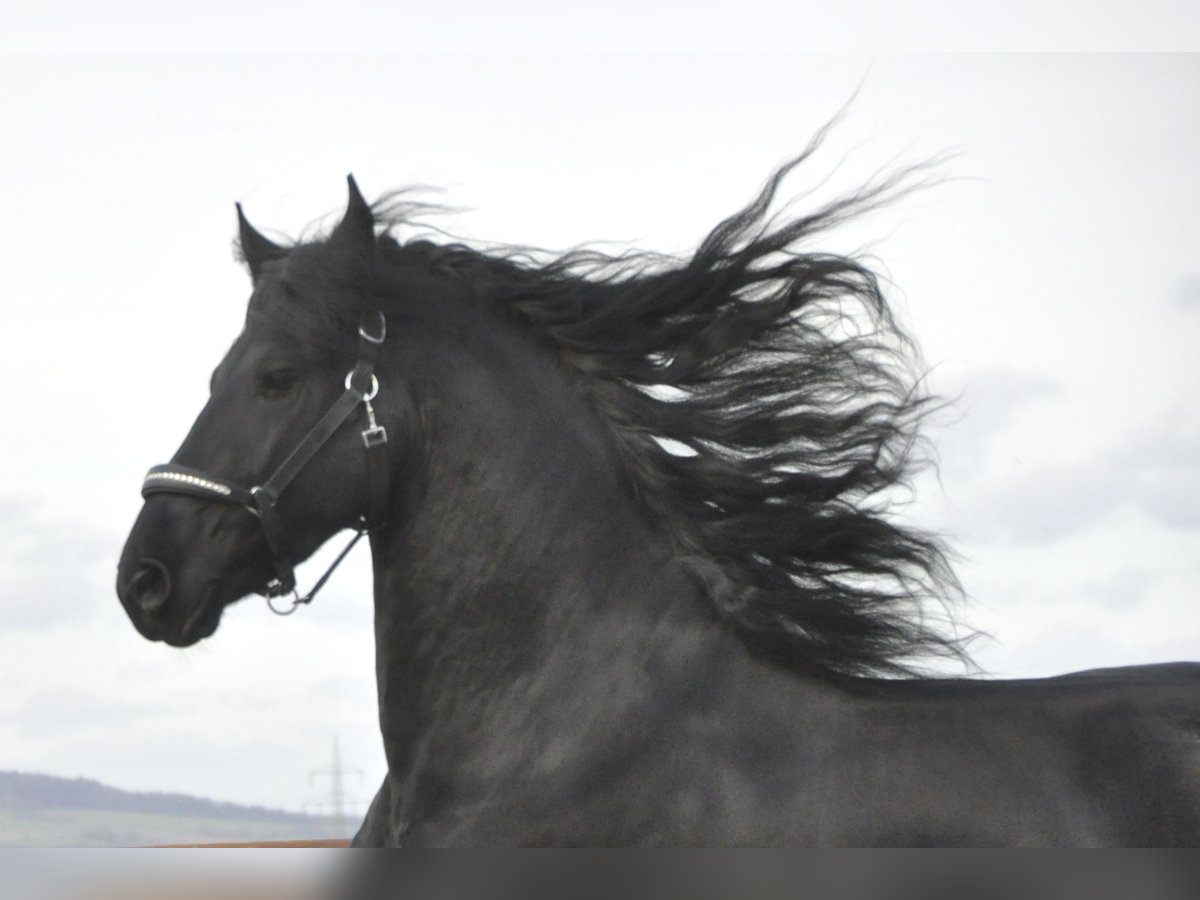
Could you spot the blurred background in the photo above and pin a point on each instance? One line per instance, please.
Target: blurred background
(1052, 279)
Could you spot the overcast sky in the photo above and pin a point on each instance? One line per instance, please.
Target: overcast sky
(1053, 279)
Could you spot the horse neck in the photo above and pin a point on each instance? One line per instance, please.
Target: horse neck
(522, 536)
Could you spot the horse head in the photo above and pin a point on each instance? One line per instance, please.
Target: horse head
(286, 452)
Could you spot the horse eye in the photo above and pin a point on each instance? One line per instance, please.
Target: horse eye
(277, 383)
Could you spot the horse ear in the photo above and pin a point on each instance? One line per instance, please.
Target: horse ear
(357, 227)
(256, 249)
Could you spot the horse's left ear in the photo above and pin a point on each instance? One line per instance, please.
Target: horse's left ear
(357, 227)
(256, 250)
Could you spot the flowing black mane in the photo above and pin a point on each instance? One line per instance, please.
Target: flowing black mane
(787, 397)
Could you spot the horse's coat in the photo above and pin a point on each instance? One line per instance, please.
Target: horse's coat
(584, 639)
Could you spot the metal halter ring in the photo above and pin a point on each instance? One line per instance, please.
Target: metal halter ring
(284, 612)
(374, 385)
(375, 339)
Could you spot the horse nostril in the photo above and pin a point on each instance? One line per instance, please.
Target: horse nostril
(150, 586)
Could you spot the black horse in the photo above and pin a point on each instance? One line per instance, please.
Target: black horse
(636, 579)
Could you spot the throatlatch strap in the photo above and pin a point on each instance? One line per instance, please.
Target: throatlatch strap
(378, 486)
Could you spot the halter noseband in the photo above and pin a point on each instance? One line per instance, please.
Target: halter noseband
(262, 500)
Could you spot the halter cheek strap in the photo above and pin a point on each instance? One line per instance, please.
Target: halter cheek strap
(262, 501)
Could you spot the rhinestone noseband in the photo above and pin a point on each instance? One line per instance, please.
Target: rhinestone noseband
(262, 500)
(175, 476)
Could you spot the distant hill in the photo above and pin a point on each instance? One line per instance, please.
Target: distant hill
(46, 811)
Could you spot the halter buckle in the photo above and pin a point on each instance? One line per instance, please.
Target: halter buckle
(374, 437)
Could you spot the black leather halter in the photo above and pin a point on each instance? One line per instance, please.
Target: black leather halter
(262, 500)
